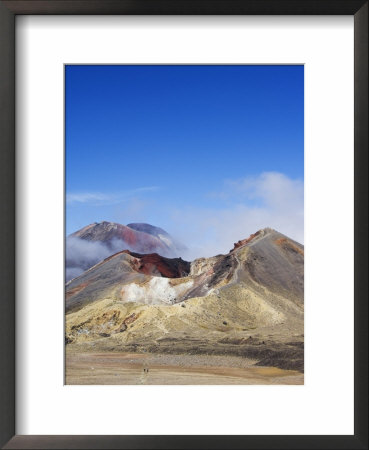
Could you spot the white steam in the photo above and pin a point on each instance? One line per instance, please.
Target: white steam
(82, 254)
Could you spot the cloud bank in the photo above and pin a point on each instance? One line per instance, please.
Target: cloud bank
(82, 254)
(245, 206)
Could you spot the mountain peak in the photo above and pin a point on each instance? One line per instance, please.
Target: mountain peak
(268, 233)
(257, 235)
(92, 243)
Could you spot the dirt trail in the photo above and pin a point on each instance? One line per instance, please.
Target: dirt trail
(235, 278)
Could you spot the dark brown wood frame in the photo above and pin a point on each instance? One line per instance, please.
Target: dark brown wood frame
(8, 12)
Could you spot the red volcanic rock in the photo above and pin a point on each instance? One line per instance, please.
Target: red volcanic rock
(154, 264)
(110, 233)
(245, 241)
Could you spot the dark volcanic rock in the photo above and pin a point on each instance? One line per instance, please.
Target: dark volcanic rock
(152, 264)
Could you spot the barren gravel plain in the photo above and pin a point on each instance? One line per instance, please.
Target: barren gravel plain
(158, 369)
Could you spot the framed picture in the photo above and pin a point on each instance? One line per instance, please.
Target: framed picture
(164, 169)
(152, 287)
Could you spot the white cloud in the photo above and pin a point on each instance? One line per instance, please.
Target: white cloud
(86, 197)
(269, 200)
(82, 254)
(275, 189)
(99, 198)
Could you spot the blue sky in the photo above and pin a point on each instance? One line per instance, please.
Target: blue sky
(185, 148)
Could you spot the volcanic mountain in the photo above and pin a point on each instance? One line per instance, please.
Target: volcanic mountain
(248, 302)
(91, 244)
